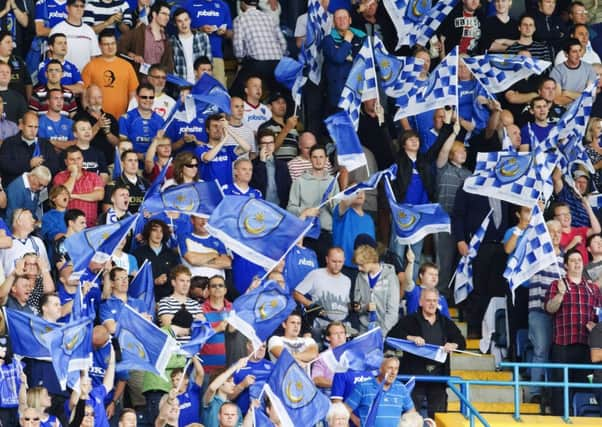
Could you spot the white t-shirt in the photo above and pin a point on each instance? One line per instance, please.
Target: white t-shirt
(82, 42)
(331, 292)
(256, 115)
(293, 345)
(245, 132)
(187, 47)
(162, 105)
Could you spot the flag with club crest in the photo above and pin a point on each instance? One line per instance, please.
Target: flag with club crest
(97, 243)
(397, 75)
(195, 198)
(27, 334)
(428, 351)
(463, 284)
(517, 178)
(142, 286)
(144, 346)
(361, 83)
(413, 222)
(200, 333)
(417, 20)
(363, 353)
(370, 184)
(71, 347)
(317, 28)
(439, 90)
(256, 229)
(349, 149)
(293, 394)
(497, 72)
(533, 252)
(260, 311)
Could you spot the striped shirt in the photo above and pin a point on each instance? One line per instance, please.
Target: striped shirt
(540, 283)
(214, 351)
(298, 166)
(170, 305)
(97, 12)
(539, 50)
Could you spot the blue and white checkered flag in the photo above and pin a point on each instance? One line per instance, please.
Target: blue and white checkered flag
(575, 118)
(317, 26)
(514, 177)
(439, 90)
(361, 83)
(370, 184)
(397, 75)
(498, 72)
(534, 252)
(463, 284)
(416, 20)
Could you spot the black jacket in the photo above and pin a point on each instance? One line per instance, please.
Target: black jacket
(410, 325)
(15, 155)
(424, 162)
(283, 179)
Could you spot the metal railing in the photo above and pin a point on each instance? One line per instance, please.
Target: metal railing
(461, 387)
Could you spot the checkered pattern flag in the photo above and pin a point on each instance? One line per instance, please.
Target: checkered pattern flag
(498, 72)
(361, 83)
(397, 75)
(463, 284)
(512, 177)
(439, 90)
(534, 252)
(317, 26)
(415, 20)
(575, 118)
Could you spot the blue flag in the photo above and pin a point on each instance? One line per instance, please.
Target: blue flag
(311, 54)
(497, 72)
(200, 333)
(439, 90)
(370, 184)
(116, 165)
(363, 353)
(71, 347)
(26, 332)
(144, 346)
(293, 394)
(255, 229)
(142, 286)
(533, 252)
(349, 149)
(97, 243)
(416, 21)
(212, 92)
(428, 351)
(158, 182)
(178, 81)
(397, 74)
(289, 72)
(82, 307)
(198, 198)
(314, 231)
(373, 411)
(36, 149)
(464, 284)
(260, 418)
(361, 83)
(260, 311)
(413, 222)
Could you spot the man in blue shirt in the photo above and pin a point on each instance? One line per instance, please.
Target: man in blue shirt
(539, 127)
(141, 124)
(54, 126)
(249, 380)
(214, 19)
(217, 157)
(49, 13)
(395, 402)
(243, 171)
(57, 48)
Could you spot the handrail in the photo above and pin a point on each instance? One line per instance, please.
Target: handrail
(469, 411)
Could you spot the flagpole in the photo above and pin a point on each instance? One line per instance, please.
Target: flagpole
(452, 278)
(188, 362)
(468, 352)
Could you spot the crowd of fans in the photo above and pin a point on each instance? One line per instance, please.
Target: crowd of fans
(93, 80)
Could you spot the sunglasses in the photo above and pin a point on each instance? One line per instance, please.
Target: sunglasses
(31, 419)
(191, 165)
(146, 97)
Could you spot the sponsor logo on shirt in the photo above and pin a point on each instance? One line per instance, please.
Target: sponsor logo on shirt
(207, 13)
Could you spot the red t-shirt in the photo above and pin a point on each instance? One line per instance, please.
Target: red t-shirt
(566, 238)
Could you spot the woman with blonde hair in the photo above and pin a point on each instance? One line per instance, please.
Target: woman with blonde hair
(38, 398)
(591, 141)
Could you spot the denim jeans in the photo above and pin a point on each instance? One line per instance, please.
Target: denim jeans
(540, 335)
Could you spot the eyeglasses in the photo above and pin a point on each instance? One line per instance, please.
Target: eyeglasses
(158, 77)
(146, 97)
(191, 165)
(31, 419)
(217, 286)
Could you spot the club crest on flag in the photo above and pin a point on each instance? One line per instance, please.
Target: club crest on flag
(297, 388)
(72, 339)
(510, 167)
(96, 235)
(503, 64)
(186, 202)
(38, 331)
(269, 305)
(386, 70)
(419, 8)
(258, 219)
(130, 344)
(407, 220)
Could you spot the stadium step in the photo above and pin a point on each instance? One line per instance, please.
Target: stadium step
(497, 407)
(485, 393)
(468, 362)
(472, 344)
(506, 420)
(483, 375)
